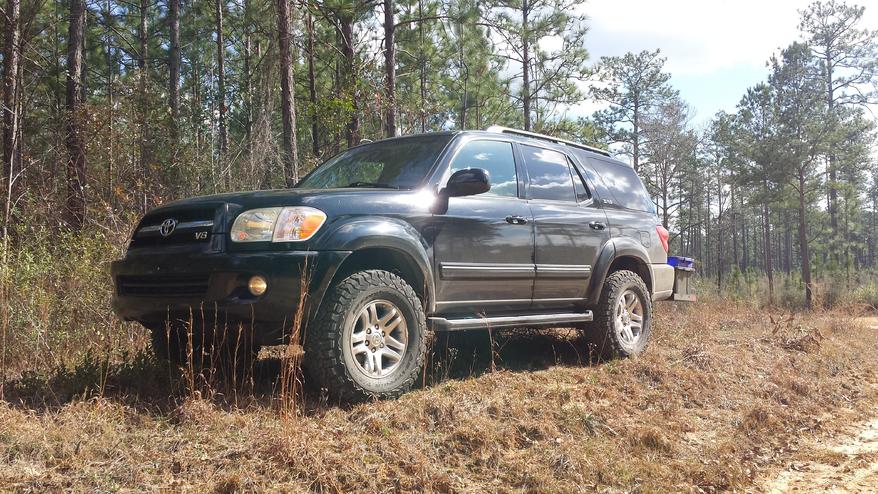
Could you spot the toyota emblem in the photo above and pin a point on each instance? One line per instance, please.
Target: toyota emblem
(168, 227)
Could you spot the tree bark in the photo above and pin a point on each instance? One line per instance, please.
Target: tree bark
(464, 74)
(143, 65)
(174, 63)
(734, 227)
(833, 190)
(221, 91)
(288, 108)
(803, 245)
(248, 88)
(346, 24)
(11, 54)
(312, 88)
(525, 64)
(769, 272)
(787, 243)
(111, 127)
(422, 68)
(389, 70)
(76, 178)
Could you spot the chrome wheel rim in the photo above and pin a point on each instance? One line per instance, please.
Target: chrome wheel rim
(628, 318)
(378, 339)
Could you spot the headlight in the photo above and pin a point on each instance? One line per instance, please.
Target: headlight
(292, 224)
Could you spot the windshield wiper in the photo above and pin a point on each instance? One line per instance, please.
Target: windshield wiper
(376, 185)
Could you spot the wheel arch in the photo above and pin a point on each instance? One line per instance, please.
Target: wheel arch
(619, 254)
(388, 244)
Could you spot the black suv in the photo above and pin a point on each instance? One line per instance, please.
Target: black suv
(389, 241)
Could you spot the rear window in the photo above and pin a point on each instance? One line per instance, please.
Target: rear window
(622, 184)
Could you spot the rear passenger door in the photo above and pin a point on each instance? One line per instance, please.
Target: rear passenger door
(569, 229)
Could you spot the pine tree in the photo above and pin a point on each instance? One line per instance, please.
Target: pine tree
(633, 85)
(522, 29)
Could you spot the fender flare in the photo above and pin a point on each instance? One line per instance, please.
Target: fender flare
(614, 249)
(385, 233)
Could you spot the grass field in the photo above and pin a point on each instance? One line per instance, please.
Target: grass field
(724, 400)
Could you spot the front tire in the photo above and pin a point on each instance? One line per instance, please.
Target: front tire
(369, 338)
(622, 325)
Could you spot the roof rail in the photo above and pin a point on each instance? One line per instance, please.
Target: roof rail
(534, 135)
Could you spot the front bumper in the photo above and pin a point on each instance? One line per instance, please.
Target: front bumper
(225, 298)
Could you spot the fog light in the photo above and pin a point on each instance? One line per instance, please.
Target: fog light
(257, 285)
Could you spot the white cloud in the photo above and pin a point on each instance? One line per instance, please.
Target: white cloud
(698, 37)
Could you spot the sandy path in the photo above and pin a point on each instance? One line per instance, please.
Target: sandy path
(844, 463)
(847, 463)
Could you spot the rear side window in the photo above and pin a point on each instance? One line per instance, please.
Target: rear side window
(496, 158)
(549, 173)
(623, 184)
(582, 193)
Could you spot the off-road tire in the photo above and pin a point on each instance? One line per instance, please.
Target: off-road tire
(325, 358)
(602, 334)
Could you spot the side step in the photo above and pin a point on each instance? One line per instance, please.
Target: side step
(535, 320)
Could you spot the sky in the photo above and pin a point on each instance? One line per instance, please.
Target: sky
(715, 49)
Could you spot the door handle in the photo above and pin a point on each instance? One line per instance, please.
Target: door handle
(516, 220)
(597, 225)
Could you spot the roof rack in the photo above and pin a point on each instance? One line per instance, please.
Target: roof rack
(534, 135)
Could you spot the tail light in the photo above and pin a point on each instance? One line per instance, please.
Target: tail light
(663, 236)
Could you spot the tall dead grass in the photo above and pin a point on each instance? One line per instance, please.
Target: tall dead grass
(723, 393)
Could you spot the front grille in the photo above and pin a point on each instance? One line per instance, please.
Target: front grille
(191, 226)
(162, 285)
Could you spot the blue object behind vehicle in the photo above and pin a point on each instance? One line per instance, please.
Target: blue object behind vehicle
(681, 262)
(684, 271)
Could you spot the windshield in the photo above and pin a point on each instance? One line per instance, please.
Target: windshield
(395, 164)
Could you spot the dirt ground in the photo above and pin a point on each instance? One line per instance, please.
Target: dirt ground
(843, 462)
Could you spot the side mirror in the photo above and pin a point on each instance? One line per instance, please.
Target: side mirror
(467, 182)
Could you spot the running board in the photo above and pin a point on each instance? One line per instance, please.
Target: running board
(442, 324)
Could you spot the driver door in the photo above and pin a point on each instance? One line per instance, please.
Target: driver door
(484, 244)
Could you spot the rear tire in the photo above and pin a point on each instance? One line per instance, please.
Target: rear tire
(369, 338)
(622, 325)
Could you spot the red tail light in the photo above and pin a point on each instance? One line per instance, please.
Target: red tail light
(663, 236)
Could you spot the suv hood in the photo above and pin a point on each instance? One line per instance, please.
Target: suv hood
(329, 198)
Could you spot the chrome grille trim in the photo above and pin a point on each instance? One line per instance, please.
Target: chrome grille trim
(180, 226)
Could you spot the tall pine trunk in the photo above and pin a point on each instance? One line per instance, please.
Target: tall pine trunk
(831, 166)
(525, 64)
(803, 244)
(312, 88)
(248, 89)
(143, 65)
(174, 65)
(76, 178)
(11, 53)
(288, 108)
(221, 94)
(346, 26)
(766, 231)
(111, 119)
(389, 70)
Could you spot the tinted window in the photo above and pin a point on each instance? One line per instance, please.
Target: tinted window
(496, 158)
(398, 163)
(549, 174)
(624, 185)
(582, 193)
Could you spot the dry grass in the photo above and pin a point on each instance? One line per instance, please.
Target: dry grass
(723, 394)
